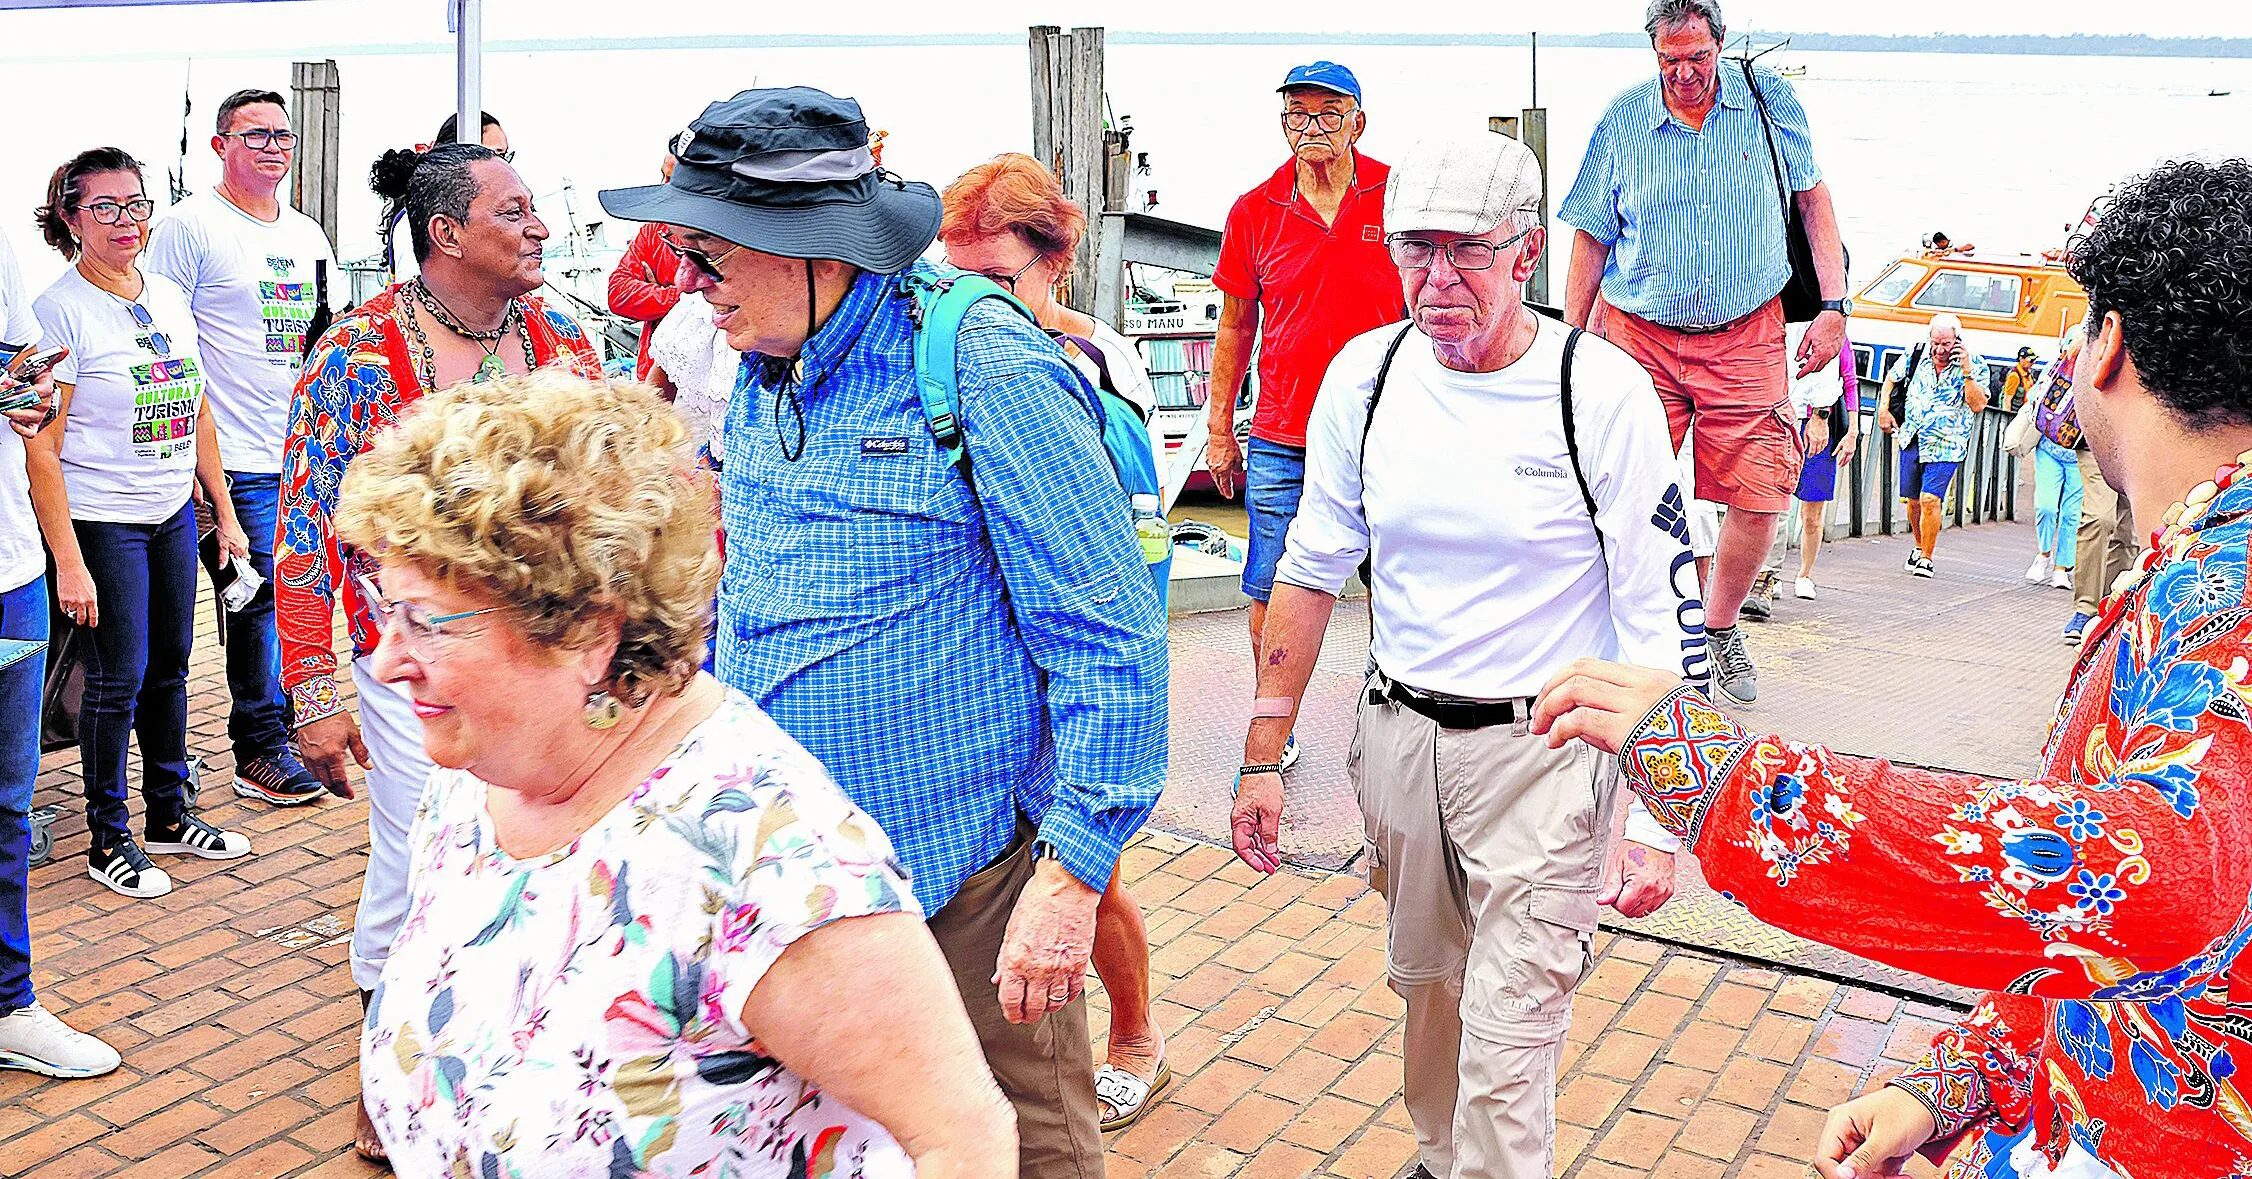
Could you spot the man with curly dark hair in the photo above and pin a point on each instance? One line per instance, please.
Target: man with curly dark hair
(2103, 901)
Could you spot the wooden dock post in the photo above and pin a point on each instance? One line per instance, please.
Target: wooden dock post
(1067, 134)
(1533, 132)
(315, 110)
(1531, 129)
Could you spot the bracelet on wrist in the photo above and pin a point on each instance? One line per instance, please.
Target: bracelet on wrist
(1247, 771)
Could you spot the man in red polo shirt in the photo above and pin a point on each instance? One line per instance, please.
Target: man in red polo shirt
(1303, 269)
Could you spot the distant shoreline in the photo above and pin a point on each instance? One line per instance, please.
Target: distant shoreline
(2074, 46)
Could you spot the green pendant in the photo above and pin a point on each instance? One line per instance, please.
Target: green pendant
(489, 369)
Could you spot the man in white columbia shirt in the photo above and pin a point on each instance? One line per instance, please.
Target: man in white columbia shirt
(1503, 546)
(252, 268)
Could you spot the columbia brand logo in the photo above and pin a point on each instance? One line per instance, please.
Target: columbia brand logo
(892, 444)
(1539, 473)
(1672, 516)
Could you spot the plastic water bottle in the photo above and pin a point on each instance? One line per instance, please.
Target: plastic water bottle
(1156, 535)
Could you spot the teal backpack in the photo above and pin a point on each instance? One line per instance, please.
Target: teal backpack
(938, 304)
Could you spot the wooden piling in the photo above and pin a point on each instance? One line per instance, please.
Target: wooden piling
(1067, 133)
(315, 110)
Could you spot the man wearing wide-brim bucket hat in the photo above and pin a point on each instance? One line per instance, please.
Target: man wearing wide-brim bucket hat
(982, 669)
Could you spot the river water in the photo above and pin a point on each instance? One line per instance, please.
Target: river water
(2002, 151)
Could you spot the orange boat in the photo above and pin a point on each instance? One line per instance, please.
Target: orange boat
(2006, 302)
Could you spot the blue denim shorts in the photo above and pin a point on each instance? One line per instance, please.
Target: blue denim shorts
(1921, 478)
(1273, 477)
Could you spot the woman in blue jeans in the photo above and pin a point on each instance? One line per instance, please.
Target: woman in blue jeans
(111, 480)
(30, 1036)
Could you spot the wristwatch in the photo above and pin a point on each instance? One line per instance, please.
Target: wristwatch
(1841, 306)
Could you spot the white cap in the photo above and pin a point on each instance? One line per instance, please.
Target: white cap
(1464, 183)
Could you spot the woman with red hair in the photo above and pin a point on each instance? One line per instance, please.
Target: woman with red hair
(1009, 220)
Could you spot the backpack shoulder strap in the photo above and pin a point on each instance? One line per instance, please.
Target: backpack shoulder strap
(937, 307)
(1571, 427)
(1383, 373)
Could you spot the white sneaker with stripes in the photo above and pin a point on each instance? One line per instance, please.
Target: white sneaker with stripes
(126, 871)
(194, 837)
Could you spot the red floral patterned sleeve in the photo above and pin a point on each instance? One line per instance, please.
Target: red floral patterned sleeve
(2067, 889)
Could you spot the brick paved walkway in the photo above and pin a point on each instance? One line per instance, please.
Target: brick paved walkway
(237, 1020)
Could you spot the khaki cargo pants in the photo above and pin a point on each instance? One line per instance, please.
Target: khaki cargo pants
(1488, 848)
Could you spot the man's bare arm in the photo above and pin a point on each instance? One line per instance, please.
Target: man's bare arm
(1297, 618)
(1584, 278)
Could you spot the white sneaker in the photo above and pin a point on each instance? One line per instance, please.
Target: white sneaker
(126, 871)
(2062, 580)
(2038, 571)
(1804, 589)
(32, 1039)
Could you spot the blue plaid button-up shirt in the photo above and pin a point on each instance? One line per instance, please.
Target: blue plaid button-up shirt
(954, 659)
(1693, 218)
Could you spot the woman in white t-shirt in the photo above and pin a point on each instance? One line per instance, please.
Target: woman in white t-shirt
(111, 482)
(1009, 220)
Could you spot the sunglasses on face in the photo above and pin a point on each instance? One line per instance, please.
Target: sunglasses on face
(422, 633)
(108, 212)
(157, 341)
(264, 139)
(705, 264)
(1414, 253)
(1328, 121)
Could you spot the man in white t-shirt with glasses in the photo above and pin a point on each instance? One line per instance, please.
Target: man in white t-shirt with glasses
(1513, 485)
(254, 270)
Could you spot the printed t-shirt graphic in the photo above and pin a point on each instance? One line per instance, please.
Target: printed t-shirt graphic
(253, 290)
(129, 446)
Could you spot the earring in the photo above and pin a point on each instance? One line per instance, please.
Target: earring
(603, 710)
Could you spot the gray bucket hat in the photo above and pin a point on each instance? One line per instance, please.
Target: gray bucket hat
(789, 172)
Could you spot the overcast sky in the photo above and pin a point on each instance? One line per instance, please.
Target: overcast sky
(310, 22)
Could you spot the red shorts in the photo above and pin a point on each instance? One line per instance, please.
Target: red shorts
(1734, 387)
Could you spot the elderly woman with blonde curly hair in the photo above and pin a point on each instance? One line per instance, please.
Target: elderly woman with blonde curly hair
(627, 948)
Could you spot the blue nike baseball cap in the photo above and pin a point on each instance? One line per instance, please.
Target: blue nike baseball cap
(1326, 75)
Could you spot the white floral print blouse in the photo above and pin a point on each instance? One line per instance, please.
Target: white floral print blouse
(579, 1013)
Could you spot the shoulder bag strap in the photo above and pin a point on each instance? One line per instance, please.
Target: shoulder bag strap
(1774, 155)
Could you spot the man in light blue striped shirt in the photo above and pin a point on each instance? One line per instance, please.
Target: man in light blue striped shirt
(1681, 253)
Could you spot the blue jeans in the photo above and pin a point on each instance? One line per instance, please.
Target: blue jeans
(137, 668)
(258, 725)
(1274, 476)
(23, 615)
(2056, 501)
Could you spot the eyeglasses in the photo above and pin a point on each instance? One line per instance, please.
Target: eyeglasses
(108, 212)
(422, 633)
(705, 264)
(263, 139)
(1328, 121)
(507, 157)
(156, 341)
(1010, 280)
(1414, 253)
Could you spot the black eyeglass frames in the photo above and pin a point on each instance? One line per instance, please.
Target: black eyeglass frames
(1328, 121)
(108, 212)
(264, 138)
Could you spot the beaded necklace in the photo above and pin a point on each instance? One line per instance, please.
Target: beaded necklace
(488, 369)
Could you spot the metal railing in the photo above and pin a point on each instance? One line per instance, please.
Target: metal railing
(1869, 504)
